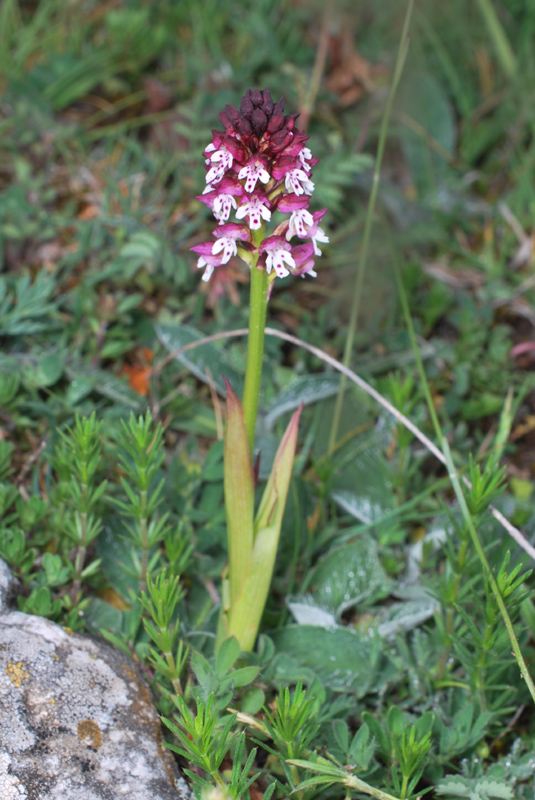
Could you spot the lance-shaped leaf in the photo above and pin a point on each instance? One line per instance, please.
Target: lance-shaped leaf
(273, 501)
(239, 494)
(246, 613)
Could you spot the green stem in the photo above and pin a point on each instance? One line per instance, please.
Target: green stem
(414, 344)
(356, 783)
(172, 668)
(82, 548)
(357, 294)
(143, 527)
(450, 611)
(504, 51)
(255, 351)
(481, 668)
(293, 769)
(486, 567)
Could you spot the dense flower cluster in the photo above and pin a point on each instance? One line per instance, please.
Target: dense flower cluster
(257, 166)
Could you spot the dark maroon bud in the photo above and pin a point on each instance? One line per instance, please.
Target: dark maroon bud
(277, 118)
(243, 127)
(232, 112)
(287, 163)
(229, 116)
(259, 122)
(253, 144)
(290, 120)
(267, 105)
(246, 105)
(280, 139)
(256, 97)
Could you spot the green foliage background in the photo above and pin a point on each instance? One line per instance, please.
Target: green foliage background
(379, 605)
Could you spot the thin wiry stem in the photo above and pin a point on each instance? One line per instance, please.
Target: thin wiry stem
(361, 269)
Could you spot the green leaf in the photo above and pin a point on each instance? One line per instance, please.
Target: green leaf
(118, 558)
(401, 617)
(56, 574)
(28, 310)
(361, 481)
(474, 788)
(227, 655)
(306, 612)
(429, 118)
(359, 504)
(201, 668)
(49, 370)
(323, 767)
(206, 362)
(246, 611)
(349, 575)
(102, 616)
(78, 389)
(143, 247)
(244, 676)
(466, 729)
(494, 789)
(273, 501)
(484, 404)
(106, 384)
(252, 701)
(306, 390)
(239, 495)
(40, 602)
(342, 659)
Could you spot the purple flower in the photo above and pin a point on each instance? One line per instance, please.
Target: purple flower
(254, 170)
(222, 199)
(304, 263)
(304, 225)
(256, 208)
(258, 165)
(207, 259)
(278, 253)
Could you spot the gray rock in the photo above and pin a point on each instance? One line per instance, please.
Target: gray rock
(76, 717)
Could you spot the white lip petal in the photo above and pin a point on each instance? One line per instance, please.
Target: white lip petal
(208, 273)
(227, 245)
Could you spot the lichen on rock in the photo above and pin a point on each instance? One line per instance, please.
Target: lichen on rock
(76, 718)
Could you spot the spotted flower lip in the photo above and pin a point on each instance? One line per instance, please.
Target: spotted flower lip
(278, 255)
(257, 208)
(257, 166)
(207, 259)
(223, 198)
(303, 224)
(254, 170)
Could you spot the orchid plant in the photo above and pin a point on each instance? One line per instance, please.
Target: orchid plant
(258, 167)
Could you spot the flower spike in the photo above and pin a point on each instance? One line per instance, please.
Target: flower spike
(257, 166)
